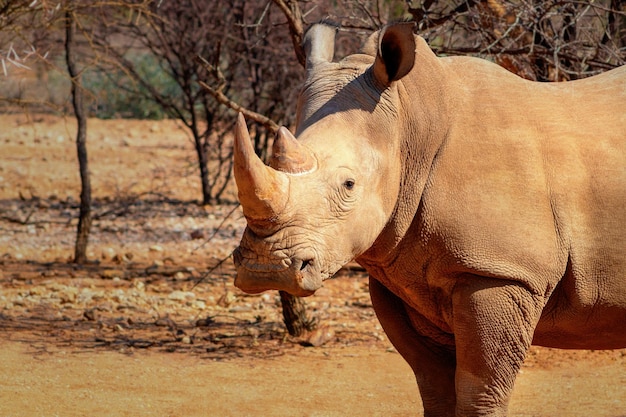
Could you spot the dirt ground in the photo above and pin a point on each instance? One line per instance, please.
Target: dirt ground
(154, 327)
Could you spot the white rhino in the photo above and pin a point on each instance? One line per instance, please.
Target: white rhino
(488, 210)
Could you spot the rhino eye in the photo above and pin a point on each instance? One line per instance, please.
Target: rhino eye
(349, 184)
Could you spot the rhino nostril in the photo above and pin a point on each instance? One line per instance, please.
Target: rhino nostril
(305, 263)
(237, 257)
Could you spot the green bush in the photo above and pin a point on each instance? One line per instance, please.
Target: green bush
(115, 94)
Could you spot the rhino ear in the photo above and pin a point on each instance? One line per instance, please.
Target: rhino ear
(396, 52)
(319, 43)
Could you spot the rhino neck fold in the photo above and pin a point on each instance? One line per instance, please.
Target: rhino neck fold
(426, 116)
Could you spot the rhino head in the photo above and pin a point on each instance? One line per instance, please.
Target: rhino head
(328, 194)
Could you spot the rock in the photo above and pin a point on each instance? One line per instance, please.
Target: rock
(87, 295)
(165, 322)
(118, 296)
(240, 309)
(36, 291)
(197, 234)
(320, 336)
(109, 253)
(205, 322)
(139, 285)
(226, 299)
(181, 295)
(49, 274)
(68, 295)
(169, 261)
(90, 314)
(19, 301)
(111, 273)
(156, 248)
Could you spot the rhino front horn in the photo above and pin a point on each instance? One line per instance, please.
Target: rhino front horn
(262, 189)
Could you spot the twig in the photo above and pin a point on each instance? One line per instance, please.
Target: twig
(210, 271)
(217, 229)
(24, 222)
(292, 12)
(257, 117)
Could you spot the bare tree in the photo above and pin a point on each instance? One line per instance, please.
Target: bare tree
(81, 13)
(173, 35)
(84, 218)
(20, 20)
(539, 40)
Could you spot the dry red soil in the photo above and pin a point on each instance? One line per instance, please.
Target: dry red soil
(146, 330)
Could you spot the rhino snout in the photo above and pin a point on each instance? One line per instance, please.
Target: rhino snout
(294, 275)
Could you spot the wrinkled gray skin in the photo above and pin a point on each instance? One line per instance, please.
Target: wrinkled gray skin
(488, 210)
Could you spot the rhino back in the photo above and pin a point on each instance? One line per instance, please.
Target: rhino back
(530, 185)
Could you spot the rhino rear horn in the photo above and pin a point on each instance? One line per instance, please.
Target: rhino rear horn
(262, 189)
(319, 43)
(289, 155)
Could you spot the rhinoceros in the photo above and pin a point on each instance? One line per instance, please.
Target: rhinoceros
(488, 210)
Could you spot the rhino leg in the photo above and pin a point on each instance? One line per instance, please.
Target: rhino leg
(433, 365)
(493, 323)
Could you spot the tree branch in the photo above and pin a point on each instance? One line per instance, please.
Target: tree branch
(292, 12)
(222, 99)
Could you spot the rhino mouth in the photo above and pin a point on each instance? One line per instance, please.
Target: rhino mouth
(297, 276)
